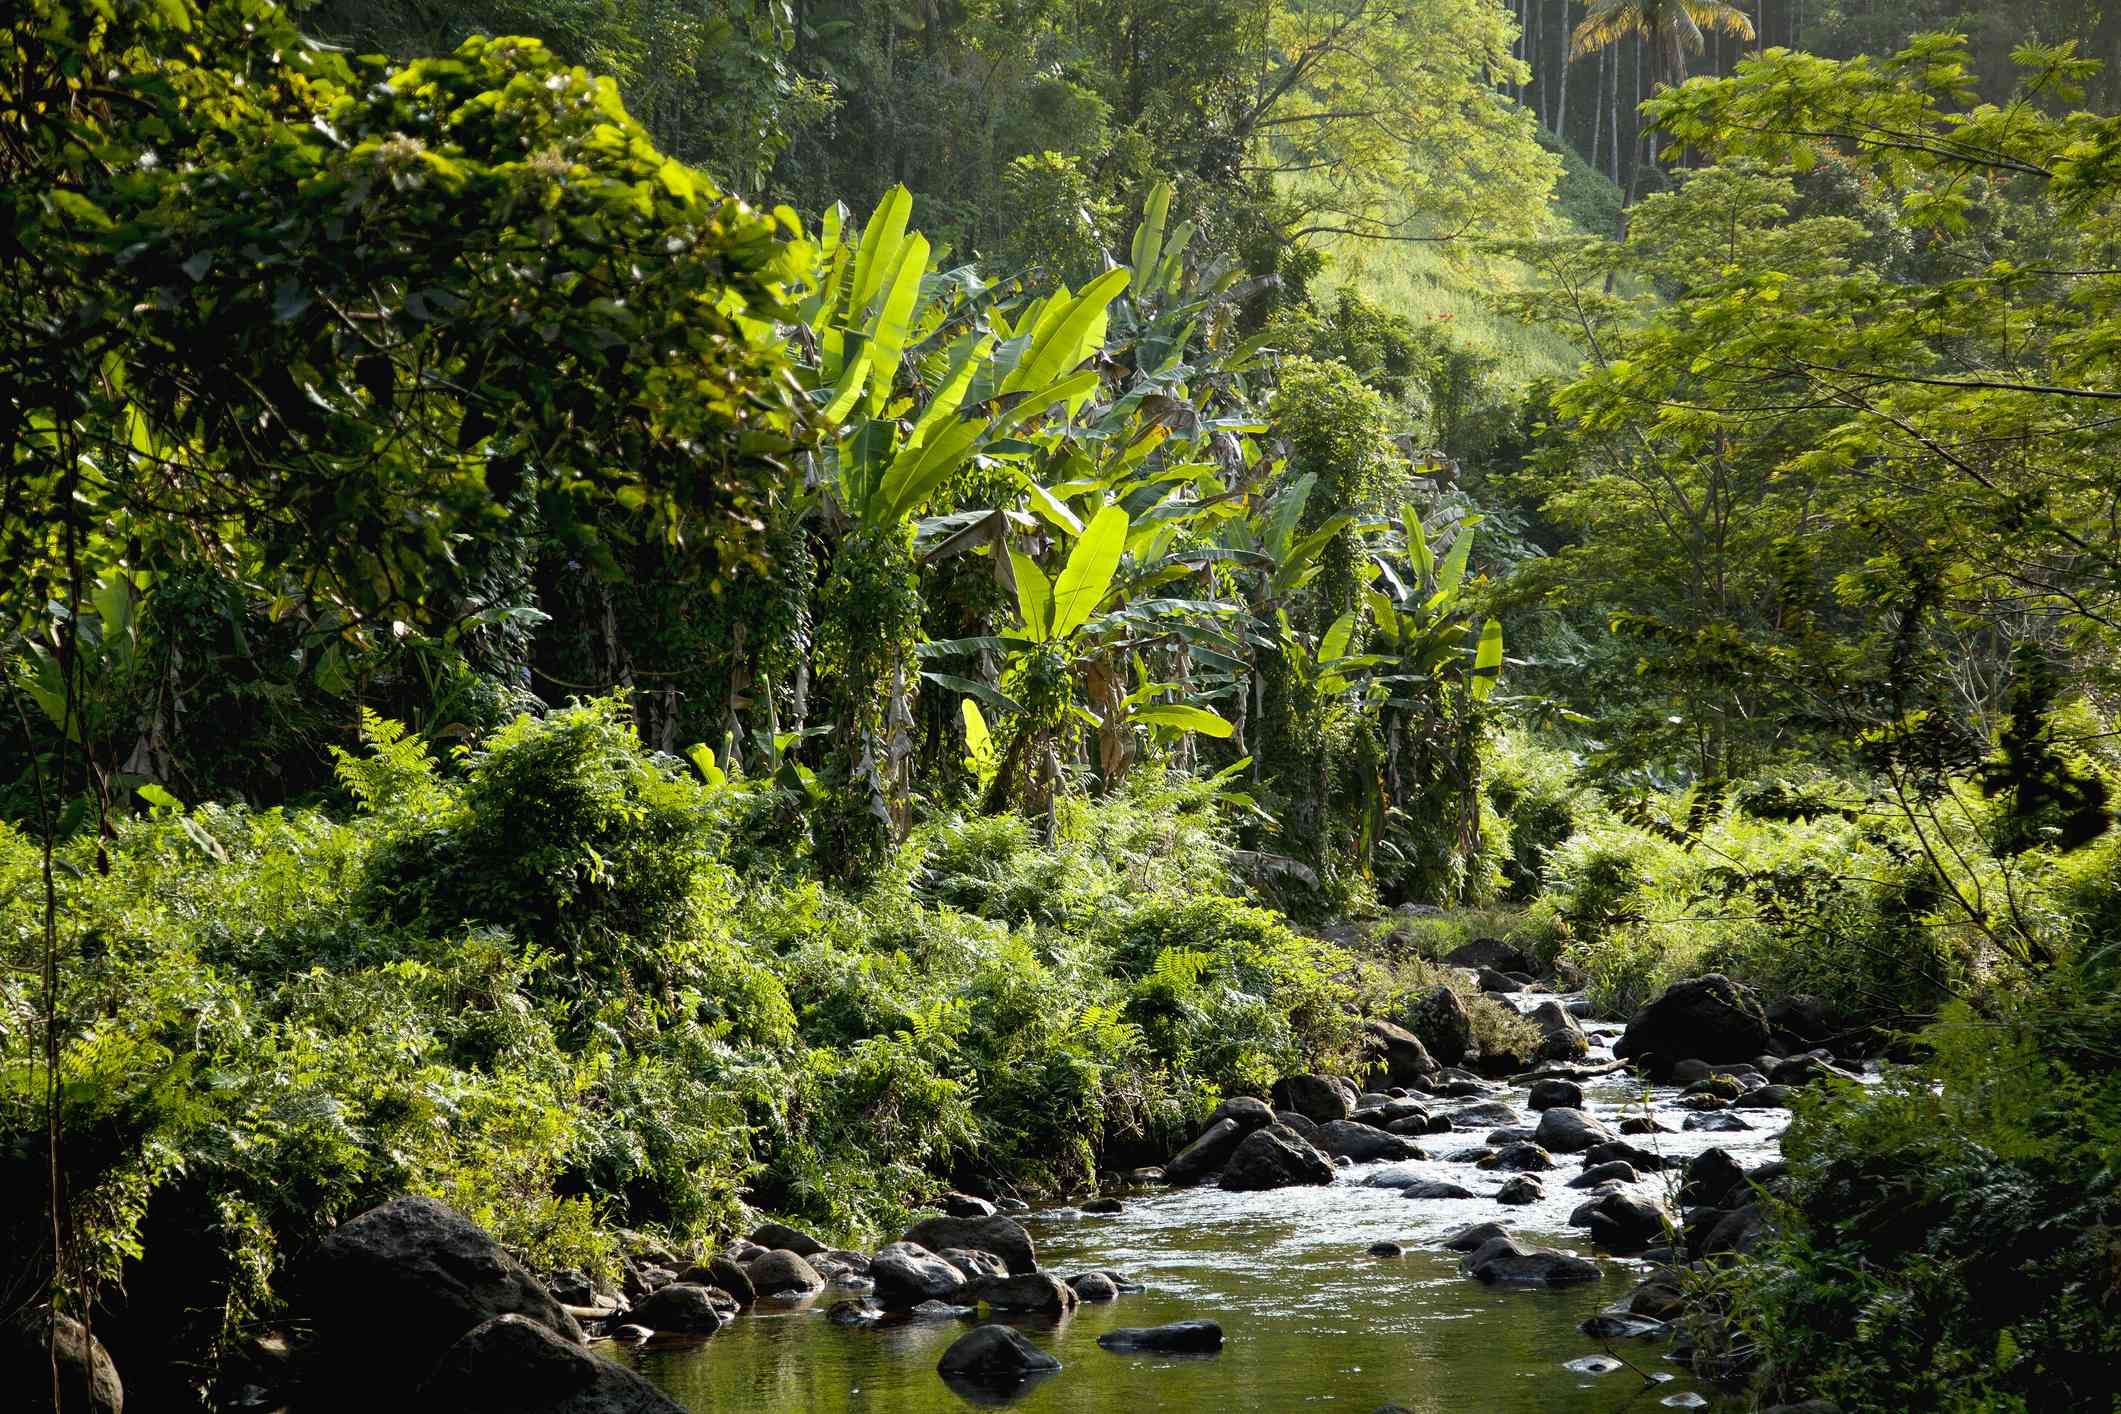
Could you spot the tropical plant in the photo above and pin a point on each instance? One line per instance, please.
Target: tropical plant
(1669, 29)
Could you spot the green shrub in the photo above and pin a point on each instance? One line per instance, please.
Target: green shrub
(1534, 788)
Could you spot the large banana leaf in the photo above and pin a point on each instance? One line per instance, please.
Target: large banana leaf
(1067, 333)
(1186, 718)
(916, 472)
(1034, 596)
(897, 297)
(1083, 581)
(1487, 660)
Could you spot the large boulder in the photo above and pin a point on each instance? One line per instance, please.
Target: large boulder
(1522, 1156)
(1207, 1154)
(1440, 1020)
(510, 1365)
(1362, 1144)
(723, 1274)
(1647, 1160)
(1249, 1113)
(1404, 1059)
(410, 1277)
(779, 1237)
(1315, 1097)
(682, 1308)
(1556, 1094)
(989, 1354)
(88, 1381)
(1506, 1261)
(1472, 1239)
(1004, 1237)
(1708, 1018)
(1566, 1131)
(783, 1273)
(1492, 953)
(1274, 1157)
(907, 1274)
(1036, 1292)
(1560, 1038)
(1625, 1224)
(1521, 1190)
(1711, 1176)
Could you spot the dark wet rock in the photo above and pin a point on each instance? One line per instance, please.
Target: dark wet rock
(1395, 1176)
(1719, 1123)
(1810, 1070)
(1498, 983)
(994, 1353)
(1386, 1249)
(1315, 1097)
(1394, 1111)
(1500, 1138)
(941, 1311)
(1094, 1287)
(1557, 1094)
(1418, 1124)
(1468, 1156)
(1274, 1157)
(1488, 1112)
(1004, 1237)
(1507, 1261)
(1248, 1111)
(1489, 952)
(1458, 1089)
(854, 1262)
(1040, 1293)
(1561, 1039)
(411, 1276)
(1656, 1299)
(1361, 1143)
(1625, 1223)
(1707, 1018)
(975, 1264)
(1440, 1020)
(1433, 1189)
(1302, 1124)
(1618, 1170)
(1767, 1097)
(964, 1205)
(1644, 1124)
(1207, 1154)
(1567, 1131)
(1103, 1207)
(1521, 1190)
(1179, 1337)
(1398, 1050)
(1645, 1160)
(1012, 1206)
(723, 1275)
(571, 1287)
(1711, 1176)
(1721, 1087)
(1521, 1157)
(1799, 1017)
(88, 1380)
(907, 1273)
(1619, 1325)
(1734, 1232)
(1472, 1239)
(745, 1250)
(647, 1279)
(865, 1312)
(1375, 1099)
(512, 1365)
(782, 1272)
(683, 1307)
(1123, 1284)
(631, 1334)
(779, 1237)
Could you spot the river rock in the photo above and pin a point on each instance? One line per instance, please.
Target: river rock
(941, 1311)
(1721, 1122)
(866, 1312)
(1249, 1113)
(1037, 1292)
(975, 1264)
(683, 1307)
(1561, 1039)
(1644, 1160)
(1435, 1189)
(779, 1237)
(1094, 1287)
(1644, 1124)
(1734, 1232)
(1521, 1190)
(783, 1272)
(723, 1275)
(1344, 1138)
(1656, 1298)
(1569, 1131)
(1520, 1157)
(1557, 1095)
(1386, 1249)
(1274, 1157)
(1624, 1223)
(1487, 1112)
(1711, 1176)
(1707, 1018)
(964, 1205)
(1441, 1022)
(1505, 1260)
(1395, 1176)
(88, 1381)
(1767, 1097)
(1490, 953)
(411, 1276)
(1810, 1070)
(1472, 1239)
(1800, 1018)
(1004, 1237)
(1207, 1154)
(1618, 1171)
(1498, 983)
(511, 1365)
(1103, 1207)
(1179, 1337)
(907, 1273)
(992, 1353)
(1315, 1097)
(1302, 1124)
(1401, 1054)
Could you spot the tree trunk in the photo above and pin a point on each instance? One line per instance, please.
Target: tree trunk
(1561, 70)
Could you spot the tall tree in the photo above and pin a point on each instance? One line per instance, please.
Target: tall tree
(1672, 29)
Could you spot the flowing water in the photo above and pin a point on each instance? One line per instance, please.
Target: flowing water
(1309, 1319)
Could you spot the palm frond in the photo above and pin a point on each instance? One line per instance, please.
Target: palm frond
(1716, 14)
(1607, 23)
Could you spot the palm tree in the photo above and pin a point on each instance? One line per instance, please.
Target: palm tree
(1671, 30)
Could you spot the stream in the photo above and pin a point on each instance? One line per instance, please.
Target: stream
(1309, 1318)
